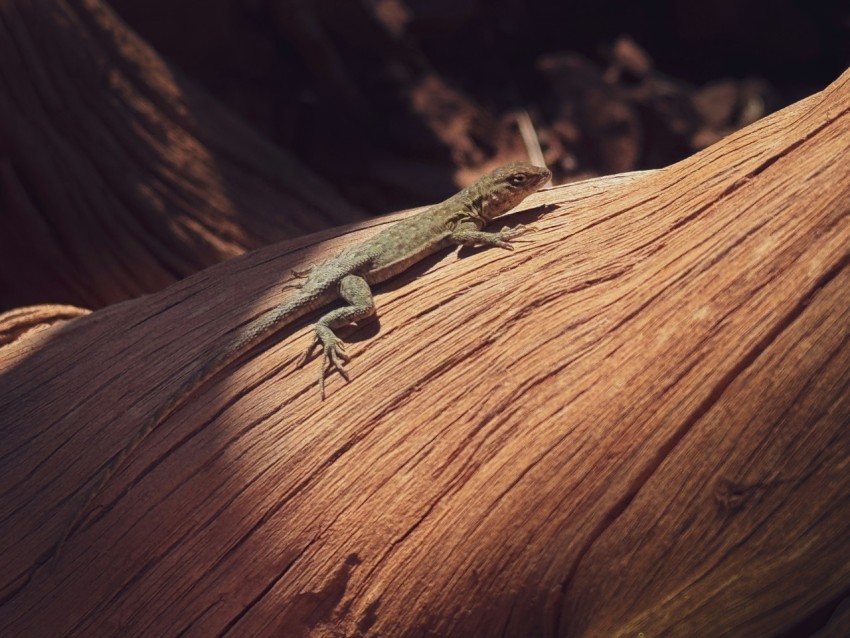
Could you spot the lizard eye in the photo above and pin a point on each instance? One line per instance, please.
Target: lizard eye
(516, 180)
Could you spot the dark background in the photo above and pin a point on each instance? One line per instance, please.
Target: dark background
(396, 100)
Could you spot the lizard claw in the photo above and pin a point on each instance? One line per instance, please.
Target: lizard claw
(309, 352)
(302, 273)
(520, 229)
(335, 358)
(298, 274)
(507, 234)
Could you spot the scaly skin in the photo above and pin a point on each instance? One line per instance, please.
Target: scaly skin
(347, 276)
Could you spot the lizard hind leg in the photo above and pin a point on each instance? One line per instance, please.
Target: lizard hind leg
(354, 290)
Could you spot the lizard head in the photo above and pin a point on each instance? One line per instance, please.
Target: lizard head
(507, 186)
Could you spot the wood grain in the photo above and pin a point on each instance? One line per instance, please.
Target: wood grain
(118, 175)
(636, 422)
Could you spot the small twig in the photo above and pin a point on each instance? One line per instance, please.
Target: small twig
(529, 138)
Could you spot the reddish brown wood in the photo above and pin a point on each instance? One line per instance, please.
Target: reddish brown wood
(118, 175)
(15, 323)
(636, 422)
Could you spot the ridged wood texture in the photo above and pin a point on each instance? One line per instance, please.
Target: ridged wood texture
(636, 422)
(119, 176)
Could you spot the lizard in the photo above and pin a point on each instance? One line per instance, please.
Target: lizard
(348, 276)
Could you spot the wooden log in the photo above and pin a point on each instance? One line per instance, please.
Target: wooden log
(15, 323)
(118, 175)
(636, 423)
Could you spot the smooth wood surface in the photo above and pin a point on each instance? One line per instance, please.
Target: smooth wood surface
(118, 175)
(636, 422)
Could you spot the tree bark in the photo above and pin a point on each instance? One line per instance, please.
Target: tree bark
(119, 176)
(637, 422)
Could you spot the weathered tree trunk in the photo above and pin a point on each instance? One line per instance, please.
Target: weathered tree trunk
(637, 422)
(118, 176)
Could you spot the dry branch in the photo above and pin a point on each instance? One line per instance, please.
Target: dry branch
(637, 422)
(118, 176)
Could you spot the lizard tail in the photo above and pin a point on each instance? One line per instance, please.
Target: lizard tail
(267, 323)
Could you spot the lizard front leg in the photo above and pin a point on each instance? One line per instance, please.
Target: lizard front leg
(474, 237)
(354, 290)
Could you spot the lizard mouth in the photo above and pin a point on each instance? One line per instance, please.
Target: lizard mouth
(544, 177)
